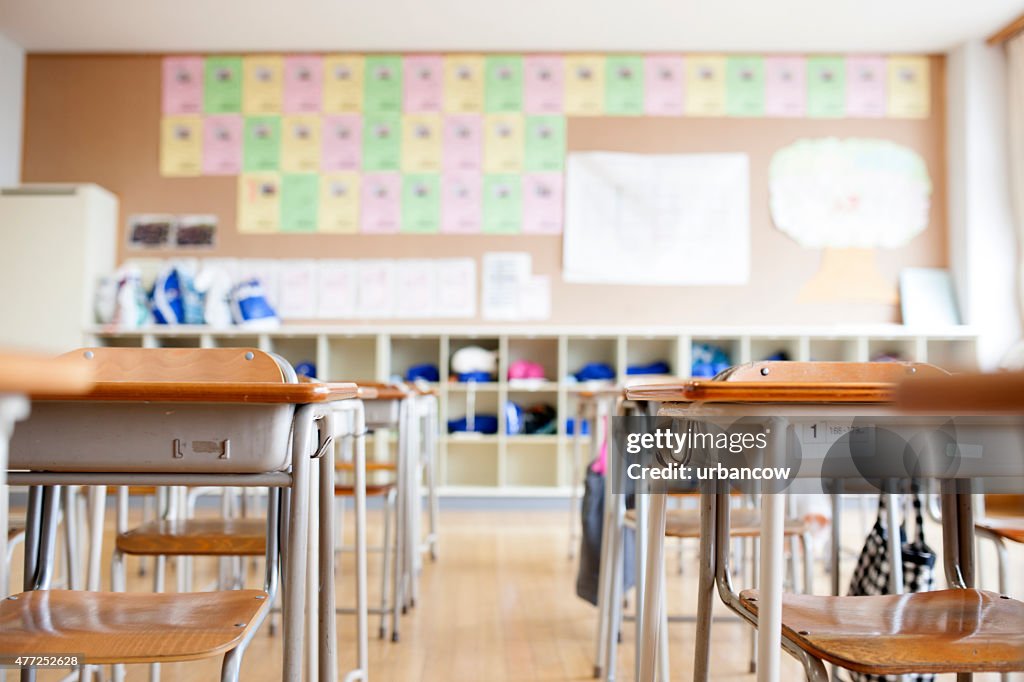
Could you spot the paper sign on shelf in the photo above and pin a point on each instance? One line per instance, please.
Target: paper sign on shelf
(504, 274)
(421, 204)
(222, 85)
(463, 83)
(461, 202)
(182, 85)
(865, 86)
(297, 295)
(339, 202)
(542, 203)
(300, 146)
(375, 288)
(382, 89)
(303, 83)
(262, 84)
(423, 83)
(543, 84)
(415, 288)
(745, 86)
(181, 145)
(261, 143)
(336, 289)
(909, 81)
(455, 288)
(259, 202)
(664, 85)
(222, 145)
(502, 204)
(266, 270)
(342, 84)
(300, 194)
(545, 143)
(382, 142)
(535, 298)
(421, 143)
(785, 84)
(503, 143)
(463, 142)
(624, 85)
(705, 85)
(503, 83)
(342, 139)
(584, 85)
(826, 87)
(380, 203)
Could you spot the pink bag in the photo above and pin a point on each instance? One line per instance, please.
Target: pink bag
(524, 369)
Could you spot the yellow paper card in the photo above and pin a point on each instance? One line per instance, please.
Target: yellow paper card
(909, 87)
(259, 203)
(463, 83)
(504, 146)
(181, 146)
(421, 143)
(300, 143)
(705, 85)
(584, 85)
(262, 84)
(343, 83)
(339, 202)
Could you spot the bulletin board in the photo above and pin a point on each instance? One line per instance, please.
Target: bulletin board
(94, 118)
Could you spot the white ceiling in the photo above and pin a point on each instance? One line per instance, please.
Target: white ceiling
(494, 25)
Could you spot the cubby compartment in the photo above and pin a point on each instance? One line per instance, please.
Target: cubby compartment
(410, 351)
(540, 351)
(644, 351)
(891, 349)
(351, 358)
(177, 341)
(119, 340)
(296, 350)
(480, 403)
(582, 351)
(456, 343)
(235, 340)
(955, 355)
(834, 350)
(527, 399)
(471, 463)
(572, 403)
(531, 464)
(771, 347)
(731, 347)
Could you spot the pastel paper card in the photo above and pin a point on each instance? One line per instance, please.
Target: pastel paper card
(542, 203)
(262, 84)
(181, 145)
(785, 85)
(463, 142)
(300, 196)
(826, 87)
(222, 85)
(503, 143)
(300, 146)
(705, 85)
(381, 203)
(664, 85)
(909, 81)
(297, 284)
(341, 135)
(865, 86)
(423, 83)
(421, 143)
(461, 202)
(375, 289)
(744, 86)
(584, 85)
(336, 289)
(503, 86)
(415, 288)
(545, 143)
(502, 204)
(303, 83)
(343, 77)
(421, 204)
(624, 85)
(259, 203)
(383, 85)
(463, 83)
(339, 202)
(262, 143)
(456, 287)
(543, 84)
(382, 142)
(222, 144)
(182, 90)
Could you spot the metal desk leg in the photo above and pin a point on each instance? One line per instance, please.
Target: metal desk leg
(97, 506)
(295, 556)
(314, 586)
(895, 546)
(362, 602)
(705, 584)
(837, 532)
(769, 613)
(639, 563)
(574, 479)
(650, 616)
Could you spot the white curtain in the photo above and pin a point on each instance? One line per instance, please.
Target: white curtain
(1015, 97)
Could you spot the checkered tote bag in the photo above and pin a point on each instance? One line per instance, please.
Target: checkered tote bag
(871, 577)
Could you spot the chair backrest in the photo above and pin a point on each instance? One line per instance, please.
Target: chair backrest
(234, 365)
(830, 372)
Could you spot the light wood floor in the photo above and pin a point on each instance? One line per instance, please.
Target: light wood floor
(499, 605)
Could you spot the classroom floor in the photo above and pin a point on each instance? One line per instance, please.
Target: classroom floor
(500, 605)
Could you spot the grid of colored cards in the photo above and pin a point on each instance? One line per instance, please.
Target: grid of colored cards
(467, 143)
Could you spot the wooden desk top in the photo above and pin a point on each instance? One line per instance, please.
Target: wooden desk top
(763, 392)
(383, 391)
(212, 392)
(999, 393)
(40, 375)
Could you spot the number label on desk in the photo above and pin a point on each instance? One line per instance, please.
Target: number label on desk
(200, 448)
(830, 432)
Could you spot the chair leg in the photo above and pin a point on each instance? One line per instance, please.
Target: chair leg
(71, 535)
(705, 588)
(807, 547)
(118, 583)
(663, 652)
(617, 537)
(386, 558)
(603, 589)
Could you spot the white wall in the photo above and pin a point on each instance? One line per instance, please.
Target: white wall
(12, 90)
(983, 244)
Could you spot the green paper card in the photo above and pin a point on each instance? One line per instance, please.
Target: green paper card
(826, 87)
(545, 143)
(382, 85)
(503, 201)
(744, 86)
(261, 143)
(222, 85)
(503, 84)
(300, 196)
(382, 142)
(421, 204)
(624, 85)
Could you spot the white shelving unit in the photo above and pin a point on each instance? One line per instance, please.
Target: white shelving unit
(538, 465)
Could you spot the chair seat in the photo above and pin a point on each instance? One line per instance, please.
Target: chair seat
(743, 522)
(1010, 528)
(372, 489)
(196, 537)
(118, 627)
(370, 466)
(931, 632)
(14, 531)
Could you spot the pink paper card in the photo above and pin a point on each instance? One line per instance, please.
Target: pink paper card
(222, 145)
(303, 83)
(785, 86)
(542, 203)
(865, 86)
(543, 84)
(341, 140)
(381, 203)
(423, 83)
(463, 142)
(183, 85)
(461, 202)
(664, 85)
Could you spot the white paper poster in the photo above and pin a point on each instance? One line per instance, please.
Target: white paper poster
(504, 274)
(297, 290)
(336, 284)
(455, 288)
(535, 298)
(375, 285)
(415, 288)
(679, 219)
(266, 270)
